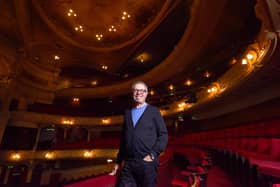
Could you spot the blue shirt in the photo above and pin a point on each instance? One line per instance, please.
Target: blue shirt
(136, 113)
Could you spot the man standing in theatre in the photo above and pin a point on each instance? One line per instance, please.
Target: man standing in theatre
(144, 136)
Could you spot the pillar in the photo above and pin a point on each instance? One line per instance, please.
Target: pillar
(35, 146)
(88, 135)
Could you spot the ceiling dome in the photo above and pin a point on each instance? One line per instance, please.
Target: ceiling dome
(102, 24)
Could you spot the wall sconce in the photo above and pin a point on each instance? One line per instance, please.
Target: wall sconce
(152, 92)
(106, 121)
(67, 122)
(49, 155)
(252, 58)
(215, 89)
(15, 157)
(88, 154)
(143, 57)
(163, 112)
(75, 101)
(188, 82)
(183, 105)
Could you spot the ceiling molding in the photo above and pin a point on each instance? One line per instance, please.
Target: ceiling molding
(185, 53)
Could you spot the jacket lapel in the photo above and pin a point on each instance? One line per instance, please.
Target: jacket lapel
(129, 118)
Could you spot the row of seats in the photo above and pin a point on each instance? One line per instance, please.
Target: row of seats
(249, 151)
(269, 128)
(190, 166)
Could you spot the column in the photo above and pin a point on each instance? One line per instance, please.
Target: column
(4, 110)
(7, 174)
(88, 135)
(29, 174)
(7, 86)
(65, 133)
(37, 138)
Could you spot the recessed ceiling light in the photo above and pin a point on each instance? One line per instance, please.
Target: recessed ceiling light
(56, 57)
(104, 67)
(125, 15)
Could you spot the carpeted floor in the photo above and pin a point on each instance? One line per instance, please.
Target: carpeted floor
(216, 178)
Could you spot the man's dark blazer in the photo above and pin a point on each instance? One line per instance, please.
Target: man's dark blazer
(149, 136)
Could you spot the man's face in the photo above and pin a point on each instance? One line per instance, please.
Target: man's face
(139, 93)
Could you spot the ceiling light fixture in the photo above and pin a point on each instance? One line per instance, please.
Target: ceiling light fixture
(71, 13)
(125, 15)
(99, 36)
(79, 28)
(56, 57)
(112, 29)
(104, 67)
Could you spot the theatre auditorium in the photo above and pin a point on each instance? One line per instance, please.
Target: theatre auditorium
(212, 68)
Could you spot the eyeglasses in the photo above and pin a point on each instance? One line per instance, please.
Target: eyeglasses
(139, 90)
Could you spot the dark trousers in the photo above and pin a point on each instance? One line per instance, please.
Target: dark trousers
(138, 173)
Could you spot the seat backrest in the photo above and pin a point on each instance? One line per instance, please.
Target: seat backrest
(252, 144)
(264, 145)
(275, 148)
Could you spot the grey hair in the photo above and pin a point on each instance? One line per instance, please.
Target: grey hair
(139, 82)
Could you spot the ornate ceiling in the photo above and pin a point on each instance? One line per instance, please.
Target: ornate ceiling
(94, 50)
